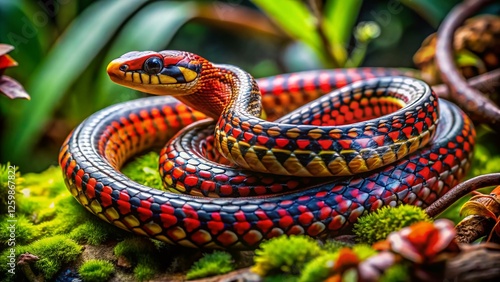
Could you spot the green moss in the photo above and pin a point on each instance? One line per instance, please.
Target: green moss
(396, 273)
(332, 246)
(144, 170)
(319, 268)
(211, 264)
(53, 253)
(96, 270)
(62, 216)
(376, 226)
(10, 179)
(8, 262)
(91, 232)
(142, 253)
(143, 271)
(25, 230)
(285, 255)
(40, 190)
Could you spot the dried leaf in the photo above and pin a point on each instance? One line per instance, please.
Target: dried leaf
(12, 89)
(475, 208)
(5, 48)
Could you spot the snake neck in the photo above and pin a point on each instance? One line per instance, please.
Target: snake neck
(223, 87)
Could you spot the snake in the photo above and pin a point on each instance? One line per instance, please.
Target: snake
(245, 160)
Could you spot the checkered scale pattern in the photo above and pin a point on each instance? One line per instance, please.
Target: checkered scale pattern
(93, 178)
(94, 152)
(299, 147)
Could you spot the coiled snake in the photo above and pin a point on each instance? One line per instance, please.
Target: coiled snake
(384, 139)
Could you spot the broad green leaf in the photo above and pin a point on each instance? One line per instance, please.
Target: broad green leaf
(16, 29)
(294, 18)
(339, 20)
(77, 47)
(151, 28)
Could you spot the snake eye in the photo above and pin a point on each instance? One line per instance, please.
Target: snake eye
(153, 65)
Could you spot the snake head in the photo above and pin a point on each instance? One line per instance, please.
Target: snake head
(161, 73)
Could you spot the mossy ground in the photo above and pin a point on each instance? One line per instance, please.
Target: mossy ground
(53, 226)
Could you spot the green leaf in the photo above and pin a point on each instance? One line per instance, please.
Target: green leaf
(16, 29)
(339, 20)
(78, 46)
(160, 21)
(294, 18)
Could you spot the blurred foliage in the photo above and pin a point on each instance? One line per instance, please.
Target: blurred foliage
(63, 48)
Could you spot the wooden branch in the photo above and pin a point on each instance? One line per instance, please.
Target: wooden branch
(461, 190)
(475, 263)
(469, 99)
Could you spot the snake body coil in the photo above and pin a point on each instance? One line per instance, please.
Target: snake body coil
(382, 140)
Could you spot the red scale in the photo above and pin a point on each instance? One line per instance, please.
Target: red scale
(240, 216)
(285, 221)
(265, 225)
(252, 238)
(205, 174)
(306, 218)
(189, 212)
(276, 188)
(324, 213)
(237, 179)
(241, 227)
(325, 144)
(226, 189)
(191, 224)
(244, 191)
(200, 237)
(278, 85)
(247, 136)
(168, 220)
(106, 200)
(281, 142)
(191, 180)
(337, 222)
(90, 189)
(236, 132)
(123, 206)
(324, 81)
(262, 140)
(144, 214)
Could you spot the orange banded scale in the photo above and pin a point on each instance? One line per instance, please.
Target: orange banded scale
(422, 148)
